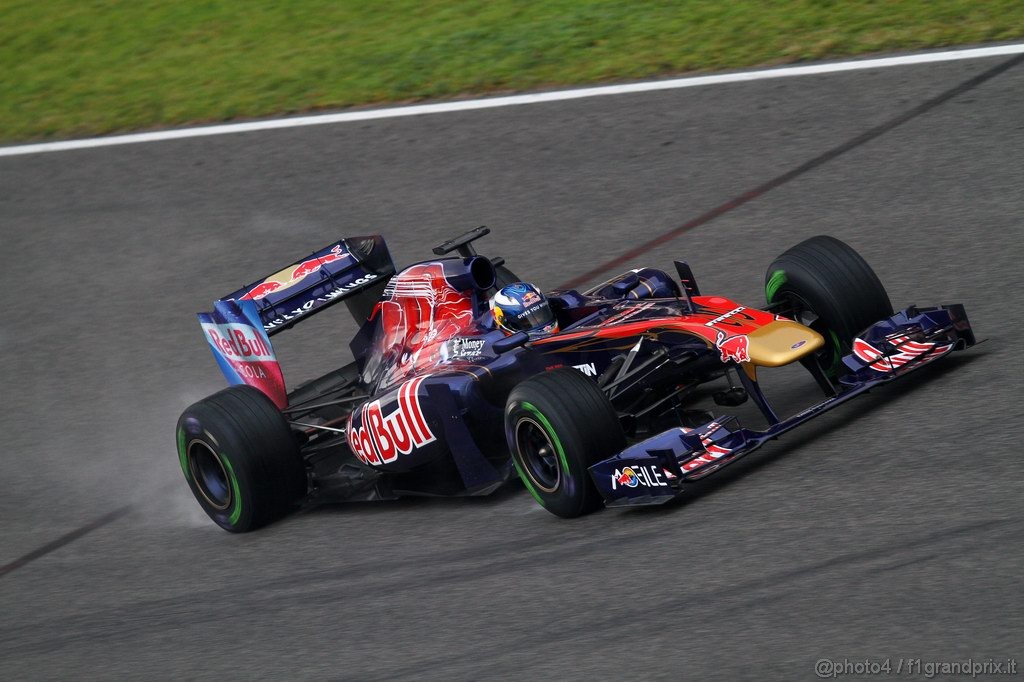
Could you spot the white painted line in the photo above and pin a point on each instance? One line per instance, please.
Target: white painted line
(515, 100)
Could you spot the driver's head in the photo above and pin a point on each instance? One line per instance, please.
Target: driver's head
(521, 307)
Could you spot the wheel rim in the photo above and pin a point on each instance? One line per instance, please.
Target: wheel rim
(209, 474)
(540, 461)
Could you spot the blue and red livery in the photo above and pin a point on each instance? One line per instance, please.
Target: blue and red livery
(426, 408)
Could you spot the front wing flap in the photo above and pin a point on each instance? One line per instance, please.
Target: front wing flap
(657, 469)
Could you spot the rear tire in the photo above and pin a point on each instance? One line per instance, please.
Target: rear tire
(829, 287)
(557, 425)
(240, 459)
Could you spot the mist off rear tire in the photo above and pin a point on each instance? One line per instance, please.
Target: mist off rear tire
(824, 277)
(240, 459)
(557, 424)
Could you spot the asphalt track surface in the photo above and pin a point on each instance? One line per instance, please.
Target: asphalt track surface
(889, 528)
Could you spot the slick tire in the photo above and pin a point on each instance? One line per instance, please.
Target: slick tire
(557, 425)
(828, 286)
(240, 459)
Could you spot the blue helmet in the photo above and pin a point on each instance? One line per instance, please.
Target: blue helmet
(521, 307)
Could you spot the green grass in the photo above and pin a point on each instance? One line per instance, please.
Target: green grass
(82, 67)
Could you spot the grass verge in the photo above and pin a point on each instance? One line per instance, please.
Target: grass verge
(85, 67)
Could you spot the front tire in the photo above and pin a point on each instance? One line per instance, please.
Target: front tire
(557, 425)
(825, 284)
(240, 459)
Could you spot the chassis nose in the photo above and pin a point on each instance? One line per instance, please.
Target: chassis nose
(782, 342)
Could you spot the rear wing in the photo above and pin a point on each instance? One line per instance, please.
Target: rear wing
(239, 328)
(242, 348)
(353, 270)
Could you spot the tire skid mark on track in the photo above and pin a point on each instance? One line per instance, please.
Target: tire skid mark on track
(138, 618)
(65, 539)
(264, 593)
(821, 159)
(855, 64)
(707, 217)
(134, 618)
(904, 564)
(797, 441)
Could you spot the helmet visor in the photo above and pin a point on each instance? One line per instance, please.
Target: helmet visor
(536, 316)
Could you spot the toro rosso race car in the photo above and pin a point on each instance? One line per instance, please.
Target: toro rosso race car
(464, 377)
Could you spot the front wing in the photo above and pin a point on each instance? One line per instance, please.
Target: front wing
(657, 470)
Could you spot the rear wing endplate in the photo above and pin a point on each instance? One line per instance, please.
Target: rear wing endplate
(242, 348)
(354, 270)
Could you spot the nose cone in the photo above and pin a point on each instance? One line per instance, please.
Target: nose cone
(782, 342)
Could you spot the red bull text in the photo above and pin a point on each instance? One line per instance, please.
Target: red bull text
(378, 439)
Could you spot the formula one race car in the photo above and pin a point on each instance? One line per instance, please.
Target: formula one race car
(444, 398)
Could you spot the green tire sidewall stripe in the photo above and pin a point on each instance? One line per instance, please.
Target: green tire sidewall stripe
(558, 448)
(236, 510)
(776, 280)
(182, 455)
(526, 481)
(837, 352)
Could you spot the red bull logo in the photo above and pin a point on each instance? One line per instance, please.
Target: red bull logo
(735, 348)
(293, 274)
(628, 478)
(530, 297)
(238, 342)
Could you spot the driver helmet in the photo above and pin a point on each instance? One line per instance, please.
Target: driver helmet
(521, 307)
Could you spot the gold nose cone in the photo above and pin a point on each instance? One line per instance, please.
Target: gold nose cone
(782, 342)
